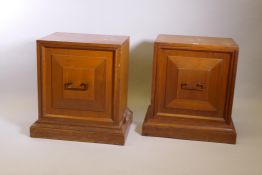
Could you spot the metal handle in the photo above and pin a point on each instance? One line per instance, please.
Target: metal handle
(197, 87)
(69, 86)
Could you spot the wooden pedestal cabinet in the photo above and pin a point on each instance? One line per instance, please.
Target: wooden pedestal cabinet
(193, 86)
(82, 83)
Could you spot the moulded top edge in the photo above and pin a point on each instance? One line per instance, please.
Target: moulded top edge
(85, 38)
(196, 41)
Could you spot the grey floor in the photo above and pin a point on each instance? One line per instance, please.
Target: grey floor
(20, 154)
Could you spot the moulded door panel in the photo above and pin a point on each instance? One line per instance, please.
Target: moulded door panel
(78, 82)
(192, 82)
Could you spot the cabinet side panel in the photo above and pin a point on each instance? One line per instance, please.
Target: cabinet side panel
(123, 91)
(154, 79)
(231, 86)
(39, 78)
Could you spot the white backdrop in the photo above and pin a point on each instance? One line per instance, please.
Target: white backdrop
(24, 21)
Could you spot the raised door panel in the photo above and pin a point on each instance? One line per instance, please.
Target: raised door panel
(192, 83)
(78, 83)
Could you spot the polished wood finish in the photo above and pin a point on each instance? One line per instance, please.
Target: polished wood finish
(192, 90)
(82, 88)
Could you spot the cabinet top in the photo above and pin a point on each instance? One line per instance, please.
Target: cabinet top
(196, 41)
(85, 38)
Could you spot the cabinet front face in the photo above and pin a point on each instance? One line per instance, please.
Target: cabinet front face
(191, 83)
(77, 83)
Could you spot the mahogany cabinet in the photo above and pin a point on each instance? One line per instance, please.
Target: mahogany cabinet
(82, 88)
(192, 90)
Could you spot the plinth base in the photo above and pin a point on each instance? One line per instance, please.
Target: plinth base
(189, 130)
(98, 134)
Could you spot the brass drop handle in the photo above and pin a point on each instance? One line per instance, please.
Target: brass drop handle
(197, 87)
(69, 86)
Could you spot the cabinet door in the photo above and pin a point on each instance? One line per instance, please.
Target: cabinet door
(191, 83)
(77, 83)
